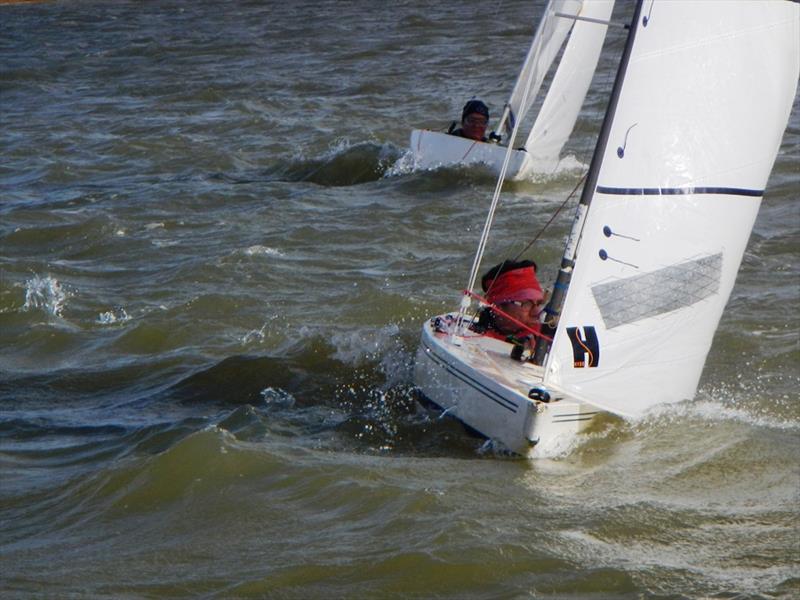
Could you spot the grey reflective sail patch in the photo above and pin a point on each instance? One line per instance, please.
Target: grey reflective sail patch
(677, 286)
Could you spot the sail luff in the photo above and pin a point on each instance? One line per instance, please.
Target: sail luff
(555, 305)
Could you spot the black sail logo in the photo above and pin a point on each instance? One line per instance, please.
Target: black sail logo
(585, 347)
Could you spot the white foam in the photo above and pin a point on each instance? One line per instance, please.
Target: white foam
(402, 166)
(355, 347)
(258, 250)
(277, 398)
(716, 411)
(115, 315)
(259, 335)
(559, 446)
(697, 557)
(254, 335)
(338, 146)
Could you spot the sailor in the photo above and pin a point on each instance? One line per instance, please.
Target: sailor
(513, 288)
(474, 120)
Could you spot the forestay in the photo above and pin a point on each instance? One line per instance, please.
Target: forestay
(701, 113)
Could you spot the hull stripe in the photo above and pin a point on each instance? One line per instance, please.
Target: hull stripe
(583, 414)
(473, 383)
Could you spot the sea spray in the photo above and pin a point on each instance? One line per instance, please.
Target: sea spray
(44, 293)
(115, 315)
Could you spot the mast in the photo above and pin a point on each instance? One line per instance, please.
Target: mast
(556, 303)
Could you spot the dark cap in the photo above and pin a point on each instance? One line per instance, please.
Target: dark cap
(475, 106)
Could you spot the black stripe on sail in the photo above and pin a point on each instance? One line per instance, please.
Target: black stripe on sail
(615, 191)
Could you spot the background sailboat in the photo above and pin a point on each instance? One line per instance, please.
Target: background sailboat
(693, 127)
(559, 111)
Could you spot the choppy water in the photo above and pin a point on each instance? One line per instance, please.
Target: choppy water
(214, 263)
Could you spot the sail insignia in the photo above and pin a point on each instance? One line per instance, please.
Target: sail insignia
(632, 299)
(585, 346)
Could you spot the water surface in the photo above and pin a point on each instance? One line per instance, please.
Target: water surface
(214, 263)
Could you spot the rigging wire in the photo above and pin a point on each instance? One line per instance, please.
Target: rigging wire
(551, 219)
(465, 300)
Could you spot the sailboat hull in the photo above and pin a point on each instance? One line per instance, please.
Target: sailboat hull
(433, 149)
(475, 380)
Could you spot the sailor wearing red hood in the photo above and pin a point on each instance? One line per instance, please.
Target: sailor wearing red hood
(513, 288)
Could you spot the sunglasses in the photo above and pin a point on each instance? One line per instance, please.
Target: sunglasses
(476, 122)
(527, 304)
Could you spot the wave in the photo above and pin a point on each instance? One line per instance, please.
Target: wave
(565, 168)
(59, 477)
(343, 164)
(318, 399)
(348, 164)
(716, 411)
(348, 390)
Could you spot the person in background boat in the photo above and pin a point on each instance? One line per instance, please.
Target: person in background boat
(474, 120)
(513, 288)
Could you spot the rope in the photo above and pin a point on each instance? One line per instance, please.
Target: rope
(550, 221)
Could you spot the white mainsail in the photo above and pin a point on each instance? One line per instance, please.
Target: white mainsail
(569, 86)
(547, 41)
(700, 116)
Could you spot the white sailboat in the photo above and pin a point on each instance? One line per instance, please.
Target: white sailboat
(701, 99)
(559, 111)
